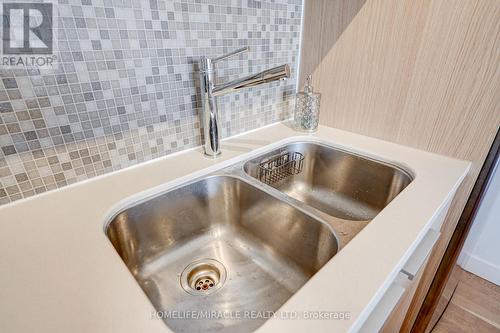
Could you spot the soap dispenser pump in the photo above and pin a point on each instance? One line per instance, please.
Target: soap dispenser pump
(307, 103)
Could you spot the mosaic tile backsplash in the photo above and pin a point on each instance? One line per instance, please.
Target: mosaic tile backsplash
(126, 88)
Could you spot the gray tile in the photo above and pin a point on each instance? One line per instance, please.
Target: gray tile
(126, 88)
(6, 107)
(9, 150)
(9, 83)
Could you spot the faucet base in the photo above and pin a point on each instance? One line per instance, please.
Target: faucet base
(213, 155)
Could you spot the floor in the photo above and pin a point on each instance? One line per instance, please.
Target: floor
(474, 307)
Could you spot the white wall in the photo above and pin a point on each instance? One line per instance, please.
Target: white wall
(481, 252)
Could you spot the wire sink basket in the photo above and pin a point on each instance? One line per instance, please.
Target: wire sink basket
(280, 166)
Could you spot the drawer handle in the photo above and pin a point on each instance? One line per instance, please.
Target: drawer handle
(417, 259)
(379, 315)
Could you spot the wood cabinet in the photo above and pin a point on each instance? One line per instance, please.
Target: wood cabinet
(395, 320)
(420, 73)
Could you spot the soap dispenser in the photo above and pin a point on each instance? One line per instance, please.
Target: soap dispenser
(306, 117)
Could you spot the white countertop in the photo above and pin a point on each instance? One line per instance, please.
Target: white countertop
(60, 273)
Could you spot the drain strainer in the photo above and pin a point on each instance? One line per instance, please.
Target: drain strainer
(203, 277)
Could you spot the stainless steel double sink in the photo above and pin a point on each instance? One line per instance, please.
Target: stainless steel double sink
(223, 252)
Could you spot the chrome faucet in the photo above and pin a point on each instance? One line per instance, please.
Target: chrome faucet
(209, 90)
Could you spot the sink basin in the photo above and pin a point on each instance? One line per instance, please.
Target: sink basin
(338, 183)
(224, 252)
(219, 244)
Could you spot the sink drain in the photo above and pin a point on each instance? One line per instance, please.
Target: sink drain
(203, 277)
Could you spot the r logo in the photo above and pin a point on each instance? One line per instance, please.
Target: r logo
(27, 28)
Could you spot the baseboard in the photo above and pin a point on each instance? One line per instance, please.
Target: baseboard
(481, 267)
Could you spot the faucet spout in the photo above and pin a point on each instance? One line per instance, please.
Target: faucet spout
(269, 75)
(209, 113)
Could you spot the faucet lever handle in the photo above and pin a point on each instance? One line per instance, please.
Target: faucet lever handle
(230, 54)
